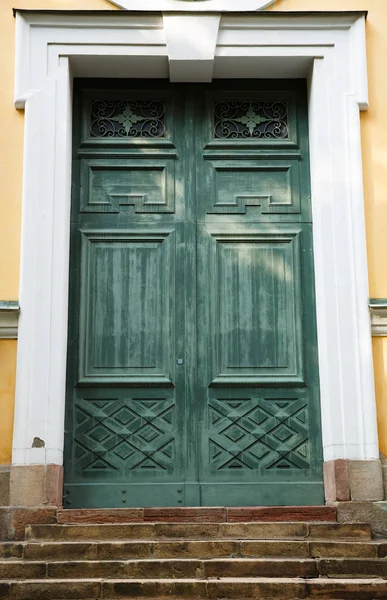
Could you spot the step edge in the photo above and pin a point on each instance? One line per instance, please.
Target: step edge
(317, 580)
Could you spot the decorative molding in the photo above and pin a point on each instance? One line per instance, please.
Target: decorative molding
(378, 310)
(9, 316)
(193, 5)
(127, 118)
(250, 119)
(51, 47)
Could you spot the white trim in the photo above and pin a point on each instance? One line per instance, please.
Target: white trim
(332, 48)
(378, 310)
(193, 5)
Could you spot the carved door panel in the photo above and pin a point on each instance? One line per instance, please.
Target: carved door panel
(257, 358)
(192, 364)
(129, 299)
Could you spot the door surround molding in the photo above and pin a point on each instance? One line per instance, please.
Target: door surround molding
(52, 47)
(193, 5)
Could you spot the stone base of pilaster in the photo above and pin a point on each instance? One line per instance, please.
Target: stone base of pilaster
(383, 460)
(353, 480)
(5, 473)
(36, 485)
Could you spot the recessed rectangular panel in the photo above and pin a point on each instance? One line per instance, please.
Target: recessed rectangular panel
(148, 187)
(126, 315)
(254, 189)
(252, 312)
(258, 325)
(126, 289)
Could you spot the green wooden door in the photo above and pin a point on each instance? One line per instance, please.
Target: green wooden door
(192, 357)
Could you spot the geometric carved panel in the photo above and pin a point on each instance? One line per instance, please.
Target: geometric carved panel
(124, 434)
(272, 188)
(257, 433)
(126, 317)
(258, 324)
(149, 187)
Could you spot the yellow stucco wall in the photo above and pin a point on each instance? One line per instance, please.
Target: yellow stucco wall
(374, 128)
(7, 393)
(380, 366)
(374, 146)
(11, 158)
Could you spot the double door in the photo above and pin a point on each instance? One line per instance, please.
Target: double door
(192, 358)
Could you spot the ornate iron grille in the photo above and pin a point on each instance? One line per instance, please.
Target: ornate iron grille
(251, 119)
(127, 118)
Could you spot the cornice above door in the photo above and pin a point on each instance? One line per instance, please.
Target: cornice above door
(193, 5)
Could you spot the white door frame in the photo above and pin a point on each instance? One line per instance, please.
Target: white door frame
(330, 49)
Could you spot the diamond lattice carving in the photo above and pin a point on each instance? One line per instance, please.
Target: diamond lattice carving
(124, 434)
(258, 433)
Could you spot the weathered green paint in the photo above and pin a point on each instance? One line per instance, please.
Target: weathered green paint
(192, 361)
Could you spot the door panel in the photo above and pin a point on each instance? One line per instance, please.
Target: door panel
(253, 190)
(147, 186)
(259, 433)
(254, 330)
(126, 329)
(126, 409)
(260, 423)
(192, 360)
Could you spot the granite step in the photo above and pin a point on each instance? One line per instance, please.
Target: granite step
(180, 589)
(250, 530)
(216, 555)
(169, 569)
(196, 568)
(186, 548)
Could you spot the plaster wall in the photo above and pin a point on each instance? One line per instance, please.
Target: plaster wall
(7, 395)
(374, 145)
(374, 148)
(11, 162)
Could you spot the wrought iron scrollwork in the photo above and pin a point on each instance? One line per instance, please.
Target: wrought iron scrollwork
(127, 118)
(251, 119)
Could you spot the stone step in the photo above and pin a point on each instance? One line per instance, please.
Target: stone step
(124, 550)
(196, 569)
(199, 514)
(181, 589)
(165, 569)
(126, 531)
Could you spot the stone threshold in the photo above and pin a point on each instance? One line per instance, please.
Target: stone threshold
(13, 519)
(199, 514)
